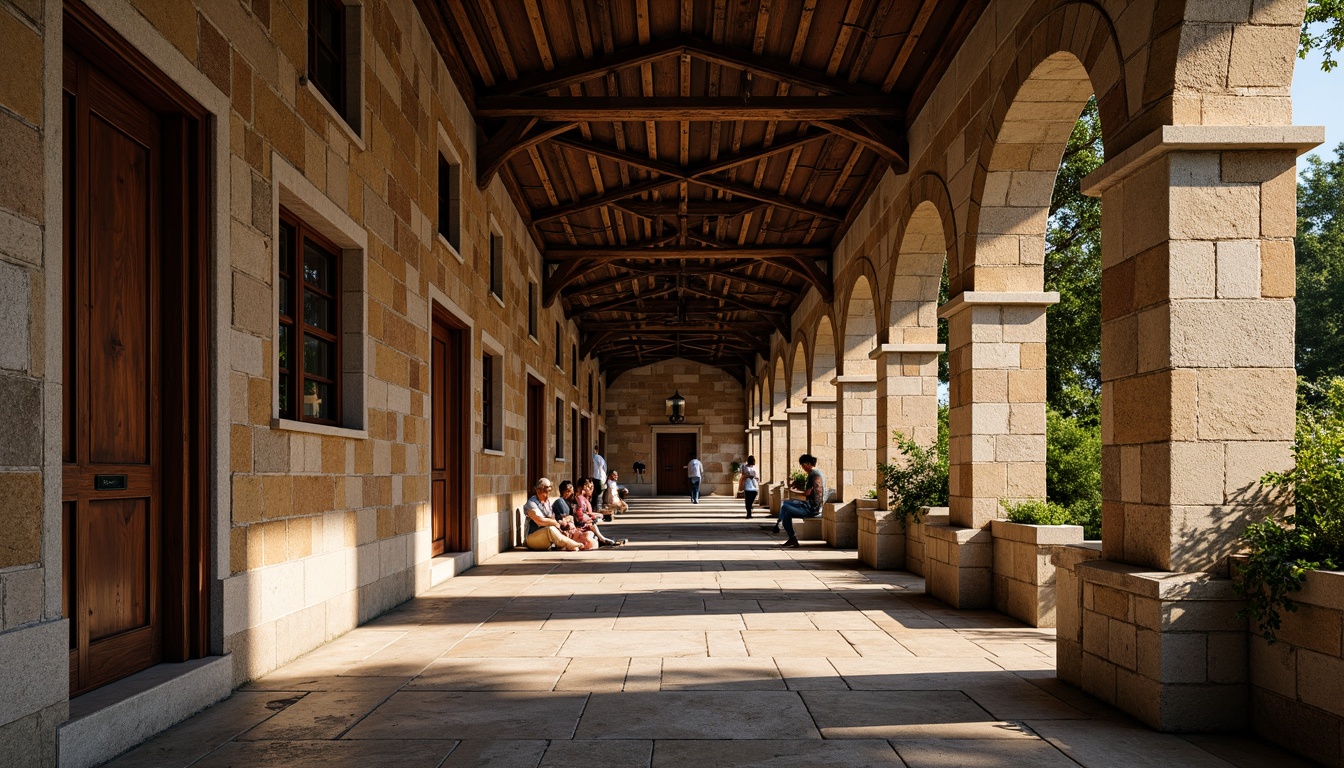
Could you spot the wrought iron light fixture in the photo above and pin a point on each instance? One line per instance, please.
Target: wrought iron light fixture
(676, 408)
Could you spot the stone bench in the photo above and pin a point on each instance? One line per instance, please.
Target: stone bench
(840, 524)
(881, 539)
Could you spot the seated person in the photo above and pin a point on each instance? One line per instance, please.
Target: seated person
(586, 518)
(563, 509)
(813, 495)
(612, 498)
(543, 530)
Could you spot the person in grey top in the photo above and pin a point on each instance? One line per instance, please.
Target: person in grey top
(543, 530)
(813, 495)
(695, 471)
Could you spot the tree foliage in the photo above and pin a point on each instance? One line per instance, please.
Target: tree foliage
(1328, 38)
(1283, 550)
(1073, 267)
(919, 478)
(1320, 268)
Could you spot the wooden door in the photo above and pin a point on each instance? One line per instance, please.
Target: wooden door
(585, 449)
(112, 485)
(450, 524)
(675, 450)
(536, 430)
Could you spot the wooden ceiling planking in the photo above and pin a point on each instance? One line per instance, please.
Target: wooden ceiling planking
(719, 146)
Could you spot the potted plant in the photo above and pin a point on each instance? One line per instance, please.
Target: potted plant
(735, 469)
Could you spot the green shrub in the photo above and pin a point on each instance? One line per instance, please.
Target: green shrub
(1037, 512)
(1282, 550)
(920, 479)
(798, 479)
(1073, 469)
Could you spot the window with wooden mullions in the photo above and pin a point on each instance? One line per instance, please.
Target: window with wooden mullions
(497, 265)
(489, 425)
(309, 344)
(327, 50)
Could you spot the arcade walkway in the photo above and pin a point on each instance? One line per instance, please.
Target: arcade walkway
(700, 644)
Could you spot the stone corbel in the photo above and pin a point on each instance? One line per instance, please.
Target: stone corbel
(905, 349)
(1196, 138)
(819, 399)
(968, 299)
(855, 378)
(795, 411)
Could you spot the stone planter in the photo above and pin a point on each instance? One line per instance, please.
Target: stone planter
(840, 524)
(1025, 559)
(1069, 609)
(915, 537)
(778, 493)
(881, 539)
(1297, 684)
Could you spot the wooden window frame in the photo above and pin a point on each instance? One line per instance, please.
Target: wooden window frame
(298, 376)
(489, 439)
(574, 365)
(339, 49)
(559, 428)
(559, 347)
(450, 202)
(532, 319)
(497, 265)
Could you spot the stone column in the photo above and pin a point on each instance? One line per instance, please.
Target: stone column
(856, 433)
(907, 399)
(779, 448)
(997, 421)
(822, 439)
(1198, 396)
(753, 443)
(763, 458)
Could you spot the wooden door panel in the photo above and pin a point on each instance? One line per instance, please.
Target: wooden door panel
(120, 379)
(673, 452)
(118, 541)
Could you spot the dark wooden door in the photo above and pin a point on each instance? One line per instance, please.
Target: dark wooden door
(675, 450)
(536, 430)
(112, 485)
(450, 524)
(585, 448)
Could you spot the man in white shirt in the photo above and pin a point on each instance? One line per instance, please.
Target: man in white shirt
(599, 475)
(695, 470)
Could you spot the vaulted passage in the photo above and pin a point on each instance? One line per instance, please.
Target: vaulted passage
(700, 644)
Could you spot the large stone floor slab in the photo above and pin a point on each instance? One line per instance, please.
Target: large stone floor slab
(700, 644)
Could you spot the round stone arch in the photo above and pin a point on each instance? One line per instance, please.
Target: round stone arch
(861, 325)
(926, 245)
(822, 365)
(799, 380)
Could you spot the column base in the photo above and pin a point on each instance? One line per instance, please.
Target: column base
(840, 524)
(881, 540)
(959, 565)
(1167, 648)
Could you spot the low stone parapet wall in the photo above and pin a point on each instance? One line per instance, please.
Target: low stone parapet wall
(915, 540)
(840, 524)
(881, 539)
(1069, 609)
(1297, 683)
(1024, 568)
(958, 563)
(1168, 648)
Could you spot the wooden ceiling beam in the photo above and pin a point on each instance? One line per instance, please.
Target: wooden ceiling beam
(588, 69)
(691, 108)
(517, 135)
(807, 269)
(885, 142)
(653, 208)
(608, 253)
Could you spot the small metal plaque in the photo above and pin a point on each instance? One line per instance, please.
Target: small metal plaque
(109, 482)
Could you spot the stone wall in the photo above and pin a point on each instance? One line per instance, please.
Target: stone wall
(1297, 683)
(1025, 566)
(316, 529)
(33, 636)
(714, 407)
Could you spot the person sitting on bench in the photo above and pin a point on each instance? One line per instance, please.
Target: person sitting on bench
(813, 494)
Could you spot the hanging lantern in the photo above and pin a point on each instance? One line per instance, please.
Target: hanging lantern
(676, 408)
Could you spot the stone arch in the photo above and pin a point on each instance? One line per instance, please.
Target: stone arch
(924, 248)
(798, 378)
(859, 329)
(823, 367)
(779, 396)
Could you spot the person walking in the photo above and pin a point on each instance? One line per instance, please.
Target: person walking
(750, 483)
(695, 471)
(813, 496)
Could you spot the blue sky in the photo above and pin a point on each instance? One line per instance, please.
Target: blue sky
(1318, 99)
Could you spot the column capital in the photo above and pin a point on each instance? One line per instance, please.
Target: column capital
(1002, 298)
(1178, 138)
(904, 349)
(795, 411)
(819, 399)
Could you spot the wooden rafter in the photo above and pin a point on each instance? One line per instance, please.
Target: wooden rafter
(624, 108)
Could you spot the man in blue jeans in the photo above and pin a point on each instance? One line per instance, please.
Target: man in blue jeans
(813, 495)
(695, 470)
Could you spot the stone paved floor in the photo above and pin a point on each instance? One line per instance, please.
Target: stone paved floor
(701, 644)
